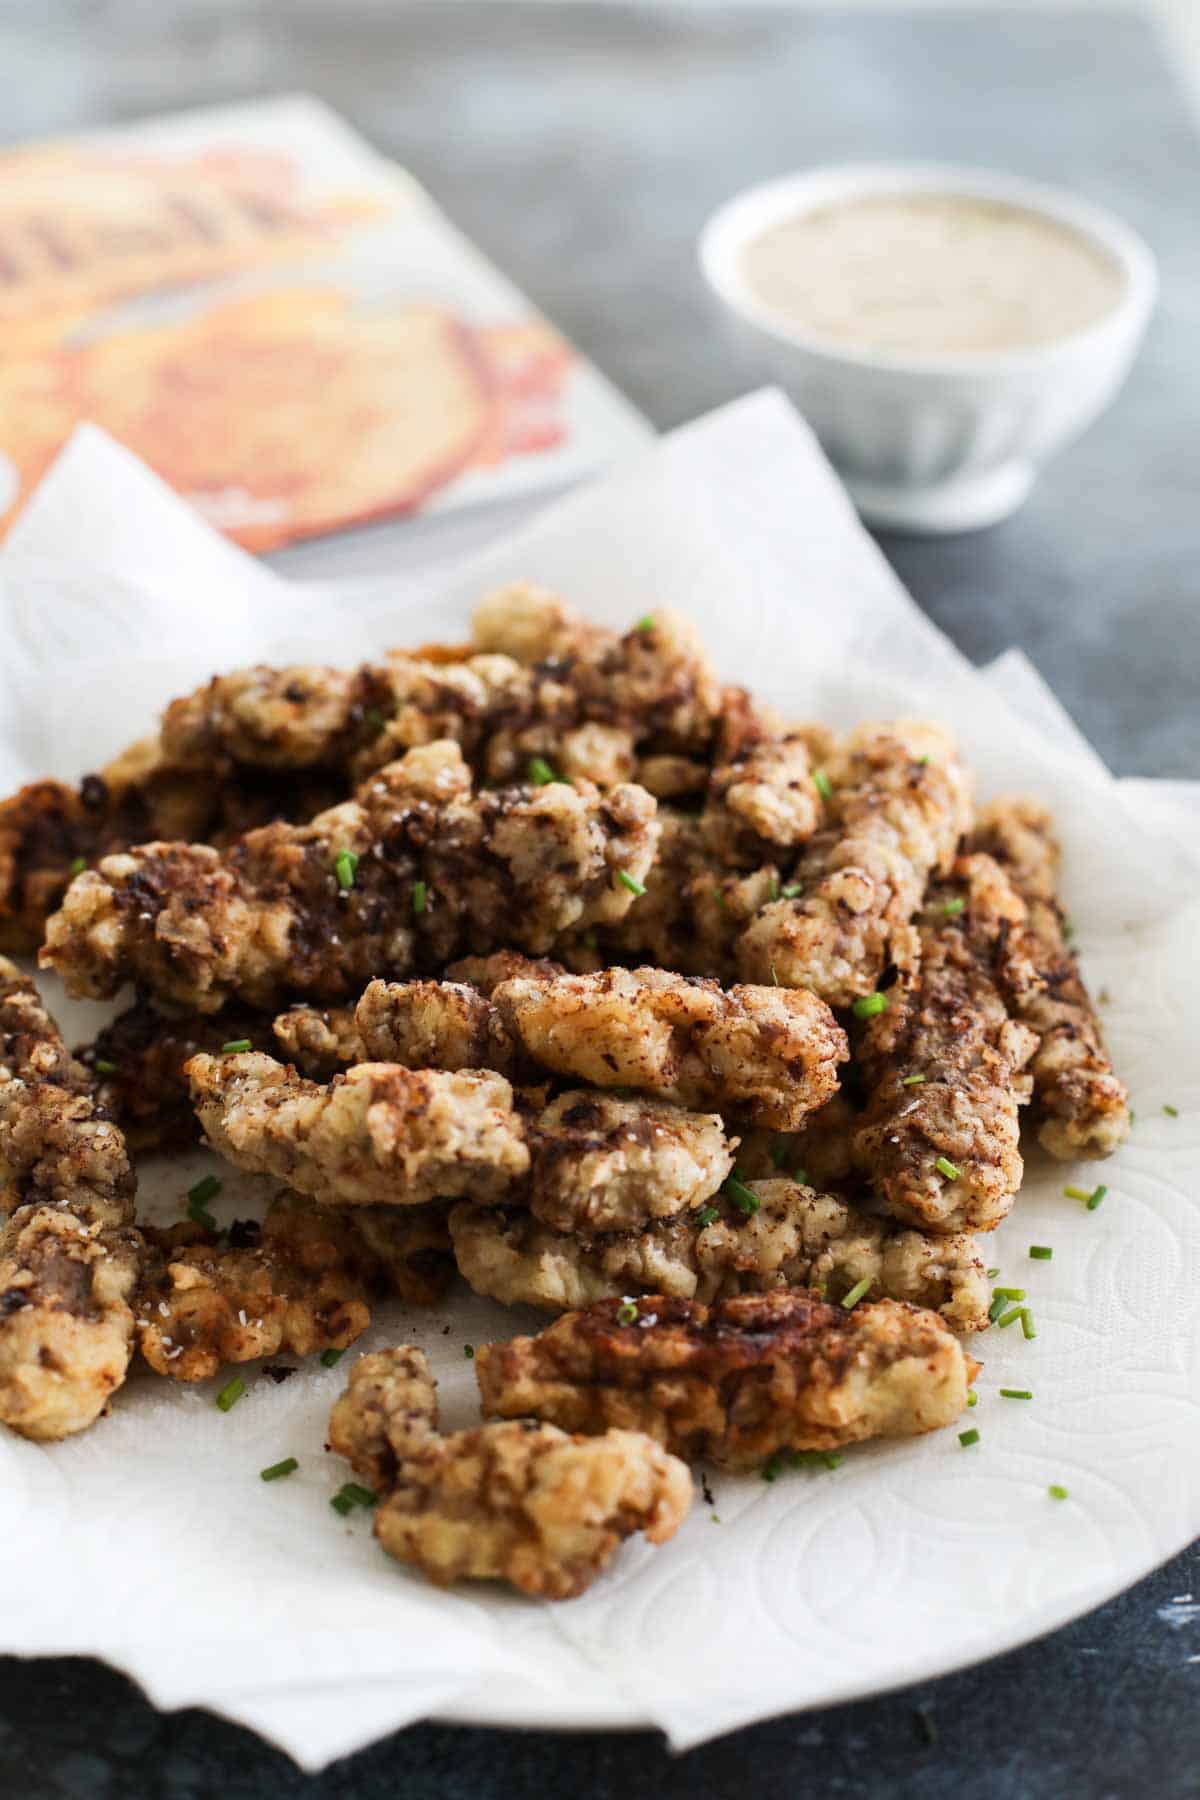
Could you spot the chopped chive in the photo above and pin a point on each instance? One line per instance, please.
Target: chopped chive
(78, 865)
(636, 887)
(231, 1393)
(800, 1177)
(773, 888)
(1077, 1193)
(1027, 1325)
(792, 890)
(278, 1470)
(743, 1197)
(235, 1046)
(1006, 1293)
(774, 976)
(833, 1459)
(869, 1005)
(1055, 1492)
(779, 1154)
(822, 784)
(1010, 1317)
(540, 772)
(705, 1216)
(997, 1307)
(645, 623)
(1040, 1252)
(851, 1300)
(912, 1081)
(1015, 1394)
(374, 719)
(1095, 1197)
(991, 1274)
(341, 1503)
(967, 1438)
(1132, 1116)
(331, 1358)
(923, 762)
(103, 1067)
(972, 1398)
(205, 1190)
(952, 908)
(420, 896)
(200, 1215)
(772, 1467)
(1172, 1112)
(345, 864)
(945, 1167)
(627, 1313)
(469, 1351)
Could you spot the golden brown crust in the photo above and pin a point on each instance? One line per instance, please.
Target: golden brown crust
(69, 1252)
(378, 1135)
(440, 871)
(898, 805)
(945, 1064)
(797, 1238)
(736, 1383)
(1081, 1105)
(521, 1503)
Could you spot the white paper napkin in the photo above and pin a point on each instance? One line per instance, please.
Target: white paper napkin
(151, 1542)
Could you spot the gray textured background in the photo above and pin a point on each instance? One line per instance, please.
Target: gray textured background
(582, 146)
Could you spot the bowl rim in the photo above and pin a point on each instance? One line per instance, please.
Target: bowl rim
(752, 210)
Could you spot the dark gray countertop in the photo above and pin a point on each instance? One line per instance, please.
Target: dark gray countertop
(582, 146)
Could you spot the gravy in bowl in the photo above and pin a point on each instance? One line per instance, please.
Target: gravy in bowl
(926, 274)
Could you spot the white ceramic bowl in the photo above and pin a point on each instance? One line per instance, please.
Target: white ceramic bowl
(934, 443)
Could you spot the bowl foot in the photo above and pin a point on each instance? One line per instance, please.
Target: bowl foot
(967, 503)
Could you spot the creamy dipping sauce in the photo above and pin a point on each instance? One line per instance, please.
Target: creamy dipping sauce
(930, 273)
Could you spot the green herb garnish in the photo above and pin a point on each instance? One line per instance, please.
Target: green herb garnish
(743, 1197)
(231, 1393)
(1040, 1252)
(636, 887)
(945, 1167)
(345, 863)
(278, 1470)
(420, 896)
(822, 784)
(540, 772)
(851, 1300)
(967, 1438)
(235, 1047)
(331, 1358)
(868, 1006)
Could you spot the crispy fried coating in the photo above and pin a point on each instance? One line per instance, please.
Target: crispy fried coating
(761, 802)
(320, 1040)
(737, 1383)
(898, 805)
(764, 1053)
(383, 1135)
(378, 1135)
(768, 1054)
(49, 829)
(300, 1284)
(522, 1503)
(137, 1063)
(600, 1163)
(1081, 1105)
(301, 717)
(439, 872)
(943, 1152)
(797, 1238)
(69, 1252)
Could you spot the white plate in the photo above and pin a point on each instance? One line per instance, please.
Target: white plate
(151, 1542)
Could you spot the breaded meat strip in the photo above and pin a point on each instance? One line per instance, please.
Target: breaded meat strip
(767, 1054)
(1081, 1105)
(377, 1135)
(69, 1252)
(301, 1282)
(383, 1135)
(136, 1064)
(518, 1502)
(414, 867)
(737, 1383)
(796, 1238)
(899, 801)
(945, 1064)
(50, 830)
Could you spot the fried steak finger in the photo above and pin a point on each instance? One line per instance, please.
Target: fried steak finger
(415, 866)
(768, 1054)
(1081, 1105)
(738, 1383)
(796, 1238)
(377, 1135)
(69, 1252)
(940, 1137)
(522, 1503)
(898, 804)
(300, 1283)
